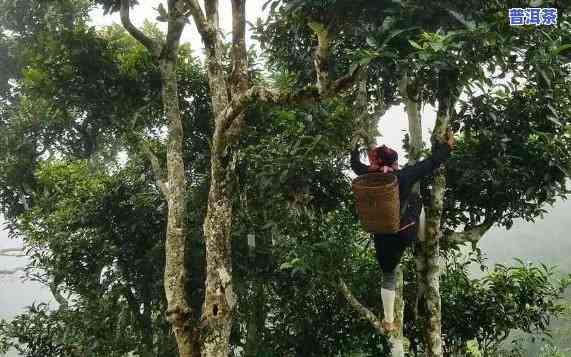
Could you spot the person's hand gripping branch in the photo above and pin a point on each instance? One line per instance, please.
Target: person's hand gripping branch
(360, 135)
(450, 140)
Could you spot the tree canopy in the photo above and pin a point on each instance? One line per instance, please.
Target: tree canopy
(92, 117)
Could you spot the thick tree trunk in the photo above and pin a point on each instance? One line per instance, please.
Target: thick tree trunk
(409, 93)
(430, 253)
(412, 105)
(219, 300)
(178, 310)
(397, 340)
(429, 248)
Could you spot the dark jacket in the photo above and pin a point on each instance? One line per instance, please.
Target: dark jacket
(408, 175)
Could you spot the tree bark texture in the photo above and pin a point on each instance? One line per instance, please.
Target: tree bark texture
(410, 97)
(178, 309)
(409, 93)
(179, 313)
(429, 249)
(363, 311)
(430, 255)
(220, 299)
(210, 337)
(397, 340)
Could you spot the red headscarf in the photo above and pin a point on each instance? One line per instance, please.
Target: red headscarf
(382, 159)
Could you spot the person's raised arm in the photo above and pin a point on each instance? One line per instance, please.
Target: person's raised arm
(440, 153)
(356, 165)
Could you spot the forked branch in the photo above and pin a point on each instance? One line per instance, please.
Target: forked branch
(471, 235)
(362, 310)
(239, 77)
(199, 19)
(149, 43)
(175, 27)
(326, 86)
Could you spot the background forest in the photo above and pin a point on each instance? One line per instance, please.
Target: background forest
(192, 198)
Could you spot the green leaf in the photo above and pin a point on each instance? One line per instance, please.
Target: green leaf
(395, 34)
(313, 144)
(415, 45)
(265, 5)
(554, 120)
(562, 48)
(365, 60)
(317, 27)
(545, 77)
(296, 262)
(372, 42)
(564, 170)
(471, 25)
(354, 67)
(553, 110)
(436, 46)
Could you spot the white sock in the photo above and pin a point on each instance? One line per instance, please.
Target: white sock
(388, 297)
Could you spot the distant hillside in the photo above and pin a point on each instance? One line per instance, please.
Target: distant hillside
(548, 241)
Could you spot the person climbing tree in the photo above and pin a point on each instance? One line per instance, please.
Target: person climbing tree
(389, 248)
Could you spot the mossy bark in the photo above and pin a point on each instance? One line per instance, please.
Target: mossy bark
(178, 311)
(220, 299)
(428, 250)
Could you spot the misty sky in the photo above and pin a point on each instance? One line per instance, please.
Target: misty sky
(547, 240)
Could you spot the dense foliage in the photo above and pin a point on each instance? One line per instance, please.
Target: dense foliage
(79, 107)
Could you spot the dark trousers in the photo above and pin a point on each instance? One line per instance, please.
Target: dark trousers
(389, 248)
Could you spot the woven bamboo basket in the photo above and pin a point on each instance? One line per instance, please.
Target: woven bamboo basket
(378, 205)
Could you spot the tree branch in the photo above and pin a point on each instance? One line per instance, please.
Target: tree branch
(471, 235)
(134, 305)
(211, 7)
(151, 45)
(321, 57)
(239, 78)
(175, 28)
(156, 167)
(345, 82)
(366, 122)
(12, 252)
(409, 92)
(239, 103)
(57, 295)
(445, 105)
(239, 82)
(325, 85)
(199, 19)
(148, 152)
(362, 310)
(11, 271)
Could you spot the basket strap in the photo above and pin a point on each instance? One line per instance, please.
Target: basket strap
(404, 207)
(408, 225)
